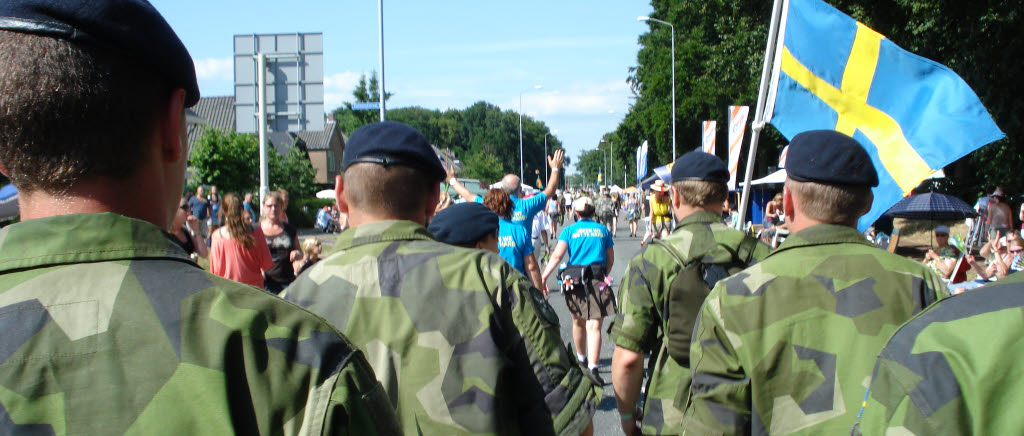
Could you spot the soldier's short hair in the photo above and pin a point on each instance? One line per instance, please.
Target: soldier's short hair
(70, 112)
(832, 204)
(396, 191)
(700, 193)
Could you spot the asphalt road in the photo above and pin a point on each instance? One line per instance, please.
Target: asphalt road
(606, 420)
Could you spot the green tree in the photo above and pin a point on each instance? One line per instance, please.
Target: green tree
(293, 172)
(366, 91)
(230, 161)
(483, 166)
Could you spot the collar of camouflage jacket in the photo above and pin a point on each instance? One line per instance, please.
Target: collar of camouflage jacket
(822, 234)
(79, 238)
(380, 231)
(702, 216)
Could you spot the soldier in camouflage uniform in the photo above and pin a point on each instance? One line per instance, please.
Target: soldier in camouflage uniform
(439, 324)
(787, 346)
(108, 326)
(954, 369)
(698, 192)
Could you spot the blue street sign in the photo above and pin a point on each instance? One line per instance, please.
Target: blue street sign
(366, 106)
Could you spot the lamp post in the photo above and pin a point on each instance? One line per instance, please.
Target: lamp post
(521, 131)
(673, 28)
(546, 152)
(611, 159)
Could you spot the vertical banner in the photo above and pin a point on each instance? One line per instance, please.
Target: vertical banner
(737, 127)
(641, 161)
(782, 157)
(708, 142)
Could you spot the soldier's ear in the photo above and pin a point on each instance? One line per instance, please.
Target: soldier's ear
(339, 198)
(787, 202)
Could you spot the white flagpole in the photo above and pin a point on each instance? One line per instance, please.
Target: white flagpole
(758, 122)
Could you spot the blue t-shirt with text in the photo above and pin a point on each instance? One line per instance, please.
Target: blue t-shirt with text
(513, 244)
(523, 210)
(588, 242)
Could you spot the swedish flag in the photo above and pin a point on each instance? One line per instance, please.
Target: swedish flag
(913, 115)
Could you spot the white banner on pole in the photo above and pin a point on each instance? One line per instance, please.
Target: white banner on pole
(782, 157)
(737, 127)
(708, 142)
(641, 161)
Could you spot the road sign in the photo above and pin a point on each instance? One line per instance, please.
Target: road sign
(294, 87)
(366, 106)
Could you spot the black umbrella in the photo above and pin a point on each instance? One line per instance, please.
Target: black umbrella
(931, 206)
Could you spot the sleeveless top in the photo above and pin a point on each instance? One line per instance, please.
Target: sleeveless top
(660, 210)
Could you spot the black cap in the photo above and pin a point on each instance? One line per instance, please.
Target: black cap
(392, 143)
(131, 27)
(831, 158)
(700, 166)
(463, 223)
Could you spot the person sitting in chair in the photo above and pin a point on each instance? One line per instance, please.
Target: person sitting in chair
(943, 257)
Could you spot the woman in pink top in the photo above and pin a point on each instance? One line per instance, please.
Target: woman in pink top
(239, 251)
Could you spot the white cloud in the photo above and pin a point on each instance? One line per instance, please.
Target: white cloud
(215, 69)
(338, 88)
(578, 99)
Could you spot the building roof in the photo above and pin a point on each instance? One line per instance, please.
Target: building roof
(219, 113)
(283, 140)
(319, 140)
(216, 112)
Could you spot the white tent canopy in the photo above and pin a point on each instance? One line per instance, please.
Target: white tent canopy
(776, 177)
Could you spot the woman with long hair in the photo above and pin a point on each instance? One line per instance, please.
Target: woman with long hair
(514, 243)
(238, 250)
(283, 240)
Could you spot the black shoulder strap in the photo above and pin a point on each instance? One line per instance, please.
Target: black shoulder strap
(745, 251)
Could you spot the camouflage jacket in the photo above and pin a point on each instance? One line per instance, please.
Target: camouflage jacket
(461, 342)
(955, 369)
(109, 328)
(639, 326)
(787, 345)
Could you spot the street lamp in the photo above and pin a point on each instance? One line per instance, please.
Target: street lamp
(521, 131)
(546, 153)
(673, 28)
(611, 159)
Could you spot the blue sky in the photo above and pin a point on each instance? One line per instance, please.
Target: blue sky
(446, 54)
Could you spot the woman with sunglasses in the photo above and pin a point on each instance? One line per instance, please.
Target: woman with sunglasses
(185, 232)
(283, 240)
(943, 257)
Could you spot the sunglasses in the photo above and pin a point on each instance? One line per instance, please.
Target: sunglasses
(1016, 250)
(940, 235)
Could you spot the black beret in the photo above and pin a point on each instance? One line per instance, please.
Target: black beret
(392, 143)
(463, 223)
(133, 28)
(831, 158)
(697, 165)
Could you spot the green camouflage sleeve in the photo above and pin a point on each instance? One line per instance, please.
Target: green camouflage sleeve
(636, 326)
(720, 399)
(358, 404)
(570, 397)
(936, 375)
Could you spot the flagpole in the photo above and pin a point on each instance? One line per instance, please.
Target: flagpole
(758, 122)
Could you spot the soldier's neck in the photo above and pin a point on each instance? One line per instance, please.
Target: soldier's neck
(133, 197)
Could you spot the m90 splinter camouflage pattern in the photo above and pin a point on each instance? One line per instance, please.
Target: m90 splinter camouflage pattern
(787, 345)
(461, 343)
(109, 328)
(955, 369)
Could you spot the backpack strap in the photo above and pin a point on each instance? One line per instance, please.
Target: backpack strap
(745, 251)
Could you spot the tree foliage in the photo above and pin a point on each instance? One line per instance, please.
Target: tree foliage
(720, 48)
(230, 161)
(482, 136)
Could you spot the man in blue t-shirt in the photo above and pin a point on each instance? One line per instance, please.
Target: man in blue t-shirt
(524, 208)
(201, 210)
